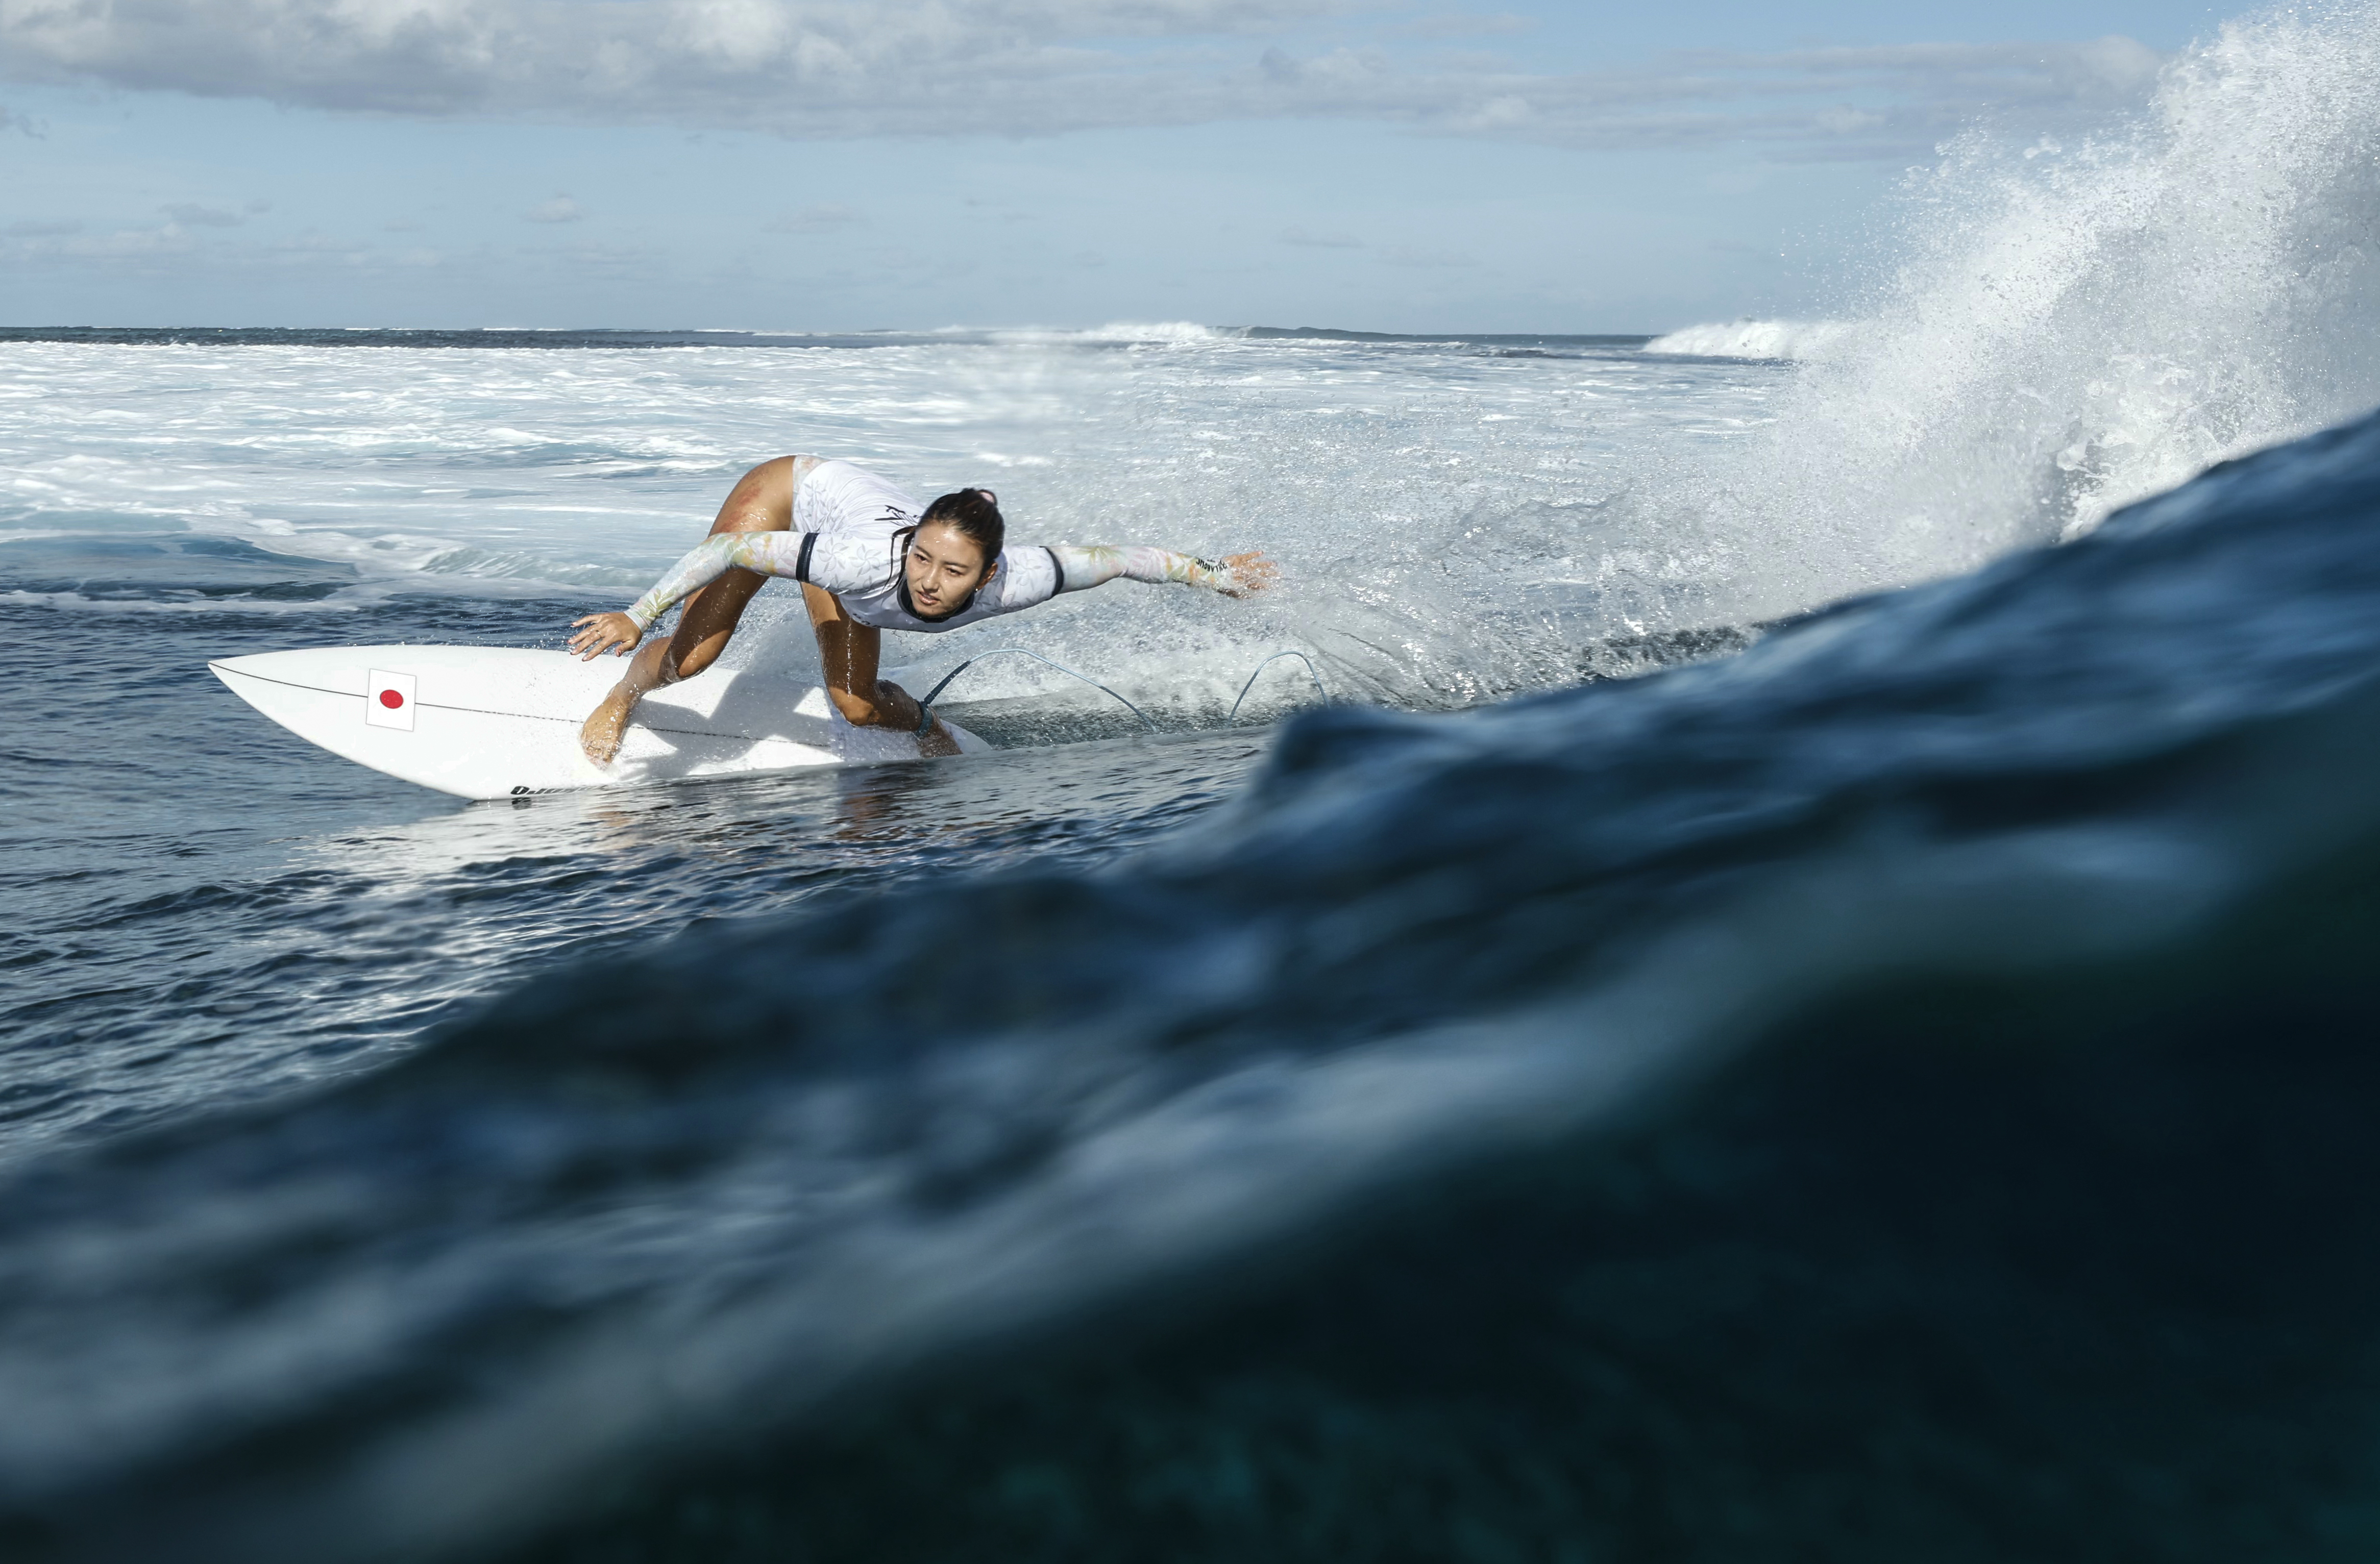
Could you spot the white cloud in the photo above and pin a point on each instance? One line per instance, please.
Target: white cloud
(68, 242)
(863, 67)
(170, 251)
(815, 219)
(1467, 25)
(825, 67)
(1844, 120)
(561, 209)
(1415, 255)
(191, 214)
(1395, 255)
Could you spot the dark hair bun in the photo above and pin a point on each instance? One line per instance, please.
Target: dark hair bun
(975, 514)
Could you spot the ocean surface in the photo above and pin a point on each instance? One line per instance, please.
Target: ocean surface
(1808, 996)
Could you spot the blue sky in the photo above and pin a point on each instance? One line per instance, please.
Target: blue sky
(838, 164)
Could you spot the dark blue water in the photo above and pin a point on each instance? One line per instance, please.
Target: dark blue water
(1902, 1092)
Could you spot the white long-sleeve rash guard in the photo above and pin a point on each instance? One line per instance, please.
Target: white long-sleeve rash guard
(850, 529)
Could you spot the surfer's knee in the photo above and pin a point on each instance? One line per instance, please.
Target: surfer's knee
(777, 471)
(762, 500)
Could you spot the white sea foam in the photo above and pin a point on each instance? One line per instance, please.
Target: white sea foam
(80, 604)
(1127, 331)
(1751, 339)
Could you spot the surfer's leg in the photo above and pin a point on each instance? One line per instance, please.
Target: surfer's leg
(760, 502)
(848, 652)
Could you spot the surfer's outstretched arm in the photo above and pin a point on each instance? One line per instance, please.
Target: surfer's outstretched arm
(1082, 566)
(763, 553)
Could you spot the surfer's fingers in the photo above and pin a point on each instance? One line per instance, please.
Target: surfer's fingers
(591, 644)
(1250, 572)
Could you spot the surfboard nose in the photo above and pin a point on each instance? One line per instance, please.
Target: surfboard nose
(331, 672)
(306, 698)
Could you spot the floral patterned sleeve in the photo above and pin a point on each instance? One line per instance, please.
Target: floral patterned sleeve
(1083, 567)
(770, 553)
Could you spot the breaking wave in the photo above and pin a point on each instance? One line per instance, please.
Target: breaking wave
(2064, 327)
(1751, 339)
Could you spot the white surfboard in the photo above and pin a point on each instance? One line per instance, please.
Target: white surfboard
(503, 722)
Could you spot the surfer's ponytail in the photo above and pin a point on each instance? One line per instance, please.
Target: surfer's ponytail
(975, 514)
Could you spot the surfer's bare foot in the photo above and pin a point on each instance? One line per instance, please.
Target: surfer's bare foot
(600, 734)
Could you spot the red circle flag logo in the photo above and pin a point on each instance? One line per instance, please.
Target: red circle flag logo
(389, 698)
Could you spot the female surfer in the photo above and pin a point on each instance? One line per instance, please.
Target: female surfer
(869, 560)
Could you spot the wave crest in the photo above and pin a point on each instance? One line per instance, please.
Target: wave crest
(1751, 339)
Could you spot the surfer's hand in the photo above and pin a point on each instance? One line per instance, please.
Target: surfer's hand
(1243, 573)
(600, 633)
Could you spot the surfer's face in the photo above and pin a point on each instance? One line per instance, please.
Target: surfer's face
(944, 566)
